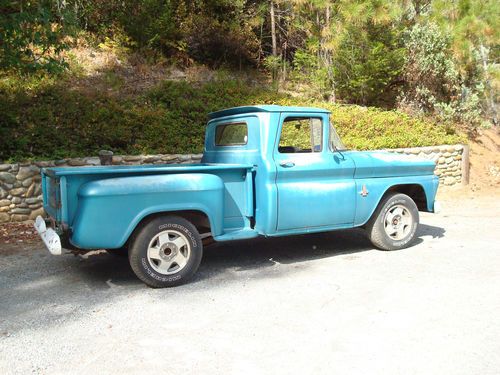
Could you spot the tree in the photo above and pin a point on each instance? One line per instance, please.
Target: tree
(32, 36)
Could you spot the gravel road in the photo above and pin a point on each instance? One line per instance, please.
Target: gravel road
(317, 304)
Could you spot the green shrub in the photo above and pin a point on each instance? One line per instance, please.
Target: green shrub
(47, 121)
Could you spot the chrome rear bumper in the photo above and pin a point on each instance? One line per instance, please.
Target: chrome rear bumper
(49, 237)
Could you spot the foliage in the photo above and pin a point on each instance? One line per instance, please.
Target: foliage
(32, 36)
(49, 121)
(433, 82)
(368, 66)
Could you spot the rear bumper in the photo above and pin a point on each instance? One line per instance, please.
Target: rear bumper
(49, 237)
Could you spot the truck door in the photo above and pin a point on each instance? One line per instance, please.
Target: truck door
(315, 183)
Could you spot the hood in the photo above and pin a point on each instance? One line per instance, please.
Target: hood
(389, 164)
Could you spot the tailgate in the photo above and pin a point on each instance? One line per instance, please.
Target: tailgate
(51, 187)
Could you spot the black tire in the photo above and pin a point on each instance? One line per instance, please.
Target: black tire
(146, 269)
(375, 228)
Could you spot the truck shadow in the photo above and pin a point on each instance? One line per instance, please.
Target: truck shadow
(267, 252)
(103, 271)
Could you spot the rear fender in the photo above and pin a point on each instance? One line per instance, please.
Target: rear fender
(110, 209)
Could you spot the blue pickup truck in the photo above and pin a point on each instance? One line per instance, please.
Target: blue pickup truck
(266, 171)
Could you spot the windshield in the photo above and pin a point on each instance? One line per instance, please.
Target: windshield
(335, 142)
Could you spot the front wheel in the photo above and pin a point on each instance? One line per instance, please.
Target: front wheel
(394, 223)
(166, 252)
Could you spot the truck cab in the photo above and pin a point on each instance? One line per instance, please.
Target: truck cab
(266, 171)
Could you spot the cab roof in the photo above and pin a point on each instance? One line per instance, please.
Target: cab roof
(263, 108)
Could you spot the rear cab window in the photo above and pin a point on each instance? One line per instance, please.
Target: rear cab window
(232, 134)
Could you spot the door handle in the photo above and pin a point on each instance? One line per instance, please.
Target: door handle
(287, 164)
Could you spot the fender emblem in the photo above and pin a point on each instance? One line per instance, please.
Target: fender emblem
(364, 192)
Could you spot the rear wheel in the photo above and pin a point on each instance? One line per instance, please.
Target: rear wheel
(394, 223)
(166, 252)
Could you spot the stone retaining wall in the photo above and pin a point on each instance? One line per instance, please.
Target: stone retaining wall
(449, 159)
(20, 190)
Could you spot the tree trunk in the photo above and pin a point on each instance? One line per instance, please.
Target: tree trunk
(273, 29)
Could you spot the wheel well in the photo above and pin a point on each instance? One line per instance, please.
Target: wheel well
(198, 218)
(414, 191)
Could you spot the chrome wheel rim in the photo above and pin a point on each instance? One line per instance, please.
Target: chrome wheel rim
(169, 252)
(398, 222)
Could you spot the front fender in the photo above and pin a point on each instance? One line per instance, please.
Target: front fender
(377, 187)
(110, 209)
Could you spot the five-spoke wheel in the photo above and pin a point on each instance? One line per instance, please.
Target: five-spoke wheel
(168, 252)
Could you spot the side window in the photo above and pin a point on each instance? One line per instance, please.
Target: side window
(301, 135)
(234, 134)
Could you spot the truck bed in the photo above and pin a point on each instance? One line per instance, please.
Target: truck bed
(62, 187)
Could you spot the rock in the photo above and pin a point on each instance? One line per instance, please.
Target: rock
(117, 159)
(5, 209)
(3, 193)
(449, 160)
(185, 157)
(76, 162)
(458, 157)
(25, 172)
(4, 167)
(4, 218)
(449, 181)
(169, 157)
(37, 212)
(32, 200)
(92, 161)
(18, 217)
(38, 189)
(151, 159)
(132, 158)
(450, 148)
(18, 191)
(438, 172)
(45, 164)
(4, 202)
(22, 211)
(7, 177)
(60, 162)
(441, 160)
(22, 205)
(30, 191)
(458, 147)
(447, 154)
(27, 182)
(197, 156)
(16, 200)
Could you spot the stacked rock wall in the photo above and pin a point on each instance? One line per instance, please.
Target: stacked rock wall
(449, 161)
